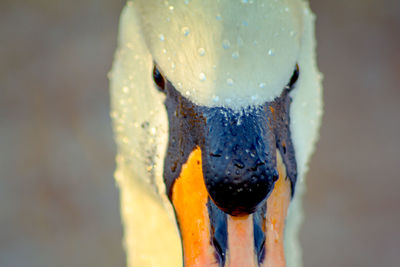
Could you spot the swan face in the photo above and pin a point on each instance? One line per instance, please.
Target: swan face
(216, 108)
(222, 53)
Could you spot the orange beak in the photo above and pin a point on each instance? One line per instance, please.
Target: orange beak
(211, 237)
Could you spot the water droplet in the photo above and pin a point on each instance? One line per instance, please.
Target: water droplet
(244, 1)
(202, 76)
(229, 81)
(245, 23)
(202, 51)
(187, 93)
(261, 85)
(171, 8)
(292, 33)
(270, 52)
(216, 98)
(185, 31)
(218, 17)
(164, 51)
(125, 89)
(239, 41)
(187, 2)
(235, 55)
(114, 114)
(226, 44)
(173, 65)
(286, 9)
(162, 38)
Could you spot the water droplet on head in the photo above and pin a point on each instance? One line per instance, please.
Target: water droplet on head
(270, 52)
(202, 51)
(226, 44)
(202, 76)
(235, 55)
(185, 31)
(125, 89)
(240, 41)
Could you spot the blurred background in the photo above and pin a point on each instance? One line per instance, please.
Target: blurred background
(58, 201)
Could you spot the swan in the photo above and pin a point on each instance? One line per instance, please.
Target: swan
(216, 107)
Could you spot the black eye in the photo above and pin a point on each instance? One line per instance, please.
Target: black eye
(158, 79)
(294, 77)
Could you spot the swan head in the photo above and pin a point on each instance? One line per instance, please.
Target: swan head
(237, 91)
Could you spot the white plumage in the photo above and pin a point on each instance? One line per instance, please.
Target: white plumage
(216, 53)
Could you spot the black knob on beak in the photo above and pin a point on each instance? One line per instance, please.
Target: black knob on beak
(239, 164)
